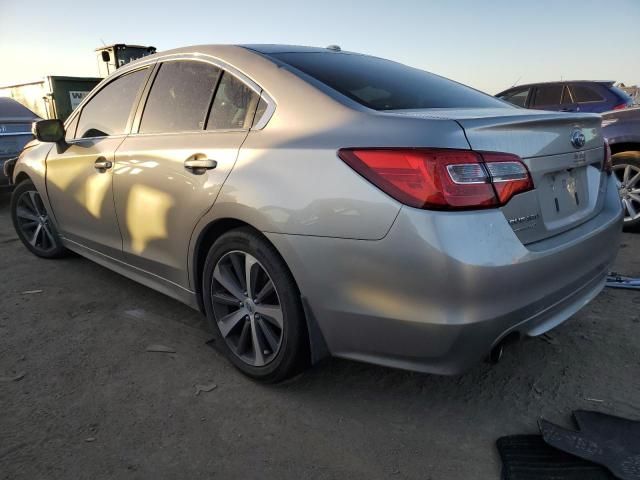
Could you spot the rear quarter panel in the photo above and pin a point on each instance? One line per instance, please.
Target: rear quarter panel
(289, 180)
(622, 126)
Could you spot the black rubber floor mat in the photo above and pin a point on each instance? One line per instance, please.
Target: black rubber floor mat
(528, 457)
(603, 439)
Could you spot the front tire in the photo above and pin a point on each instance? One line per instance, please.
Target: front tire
(253, 307)
(33, 223)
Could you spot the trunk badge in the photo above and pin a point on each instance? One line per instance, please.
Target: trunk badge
(577, 138)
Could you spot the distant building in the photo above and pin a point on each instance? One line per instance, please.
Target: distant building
(633, 91)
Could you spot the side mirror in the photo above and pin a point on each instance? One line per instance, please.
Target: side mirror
(51, 131)
(105, 56)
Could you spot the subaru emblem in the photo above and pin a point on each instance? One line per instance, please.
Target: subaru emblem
(577, 138)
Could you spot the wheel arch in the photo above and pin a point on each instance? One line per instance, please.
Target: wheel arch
(625, 147)
(21, 177)
(210, 233)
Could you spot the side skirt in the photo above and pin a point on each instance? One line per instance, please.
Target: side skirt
(136, 274)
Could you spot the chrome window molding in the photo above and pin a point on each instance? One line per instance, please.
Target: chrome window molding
(225, 67)
(259, 125)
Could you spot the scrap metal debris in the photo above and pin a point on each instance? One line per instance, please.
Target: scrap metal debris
(205, 388)
(615, 280)
(160, 349)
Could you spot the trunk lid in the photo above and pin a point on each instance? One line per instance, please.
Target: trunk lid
(568, 179)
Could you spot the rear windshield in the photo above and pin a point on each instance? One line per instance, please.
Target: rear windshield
(385, 85)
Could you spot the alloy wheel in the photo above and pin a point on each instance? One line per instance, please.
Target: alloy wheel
(33, 222)
(628, 181)
(247, 308)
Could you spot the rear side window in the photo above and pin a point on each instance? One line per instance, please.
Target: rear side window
(260, 111)
(582, 93)
(547, 95)
(385, 85)
(517, 97)
(234, 105)
(180, 97)
(108, 111)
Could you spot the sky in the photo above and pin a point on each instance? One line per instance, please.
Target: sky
(488, 44)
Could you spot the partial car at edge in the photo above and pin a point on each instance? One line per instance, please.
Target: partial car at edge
(15, 133)
(314, 202)
(622, 130)
(568, 96)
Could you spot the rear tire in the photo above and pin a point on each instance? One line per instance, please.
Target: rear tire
(33, 223)
(626, 168)
(259, 324)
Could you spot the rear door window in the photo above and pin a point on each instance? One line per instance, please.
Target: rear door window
(583, 94)
(180, 97)
(234, 105)
(547, 96)
(517, 97)
(107, 113)
(385, 85)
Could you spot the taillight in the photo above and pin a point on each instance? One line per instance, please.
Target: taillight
(441, 179)
(620, 106)
(607, 166)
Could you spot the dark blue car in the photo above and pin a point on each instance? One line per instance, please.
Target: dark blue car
(568, 96)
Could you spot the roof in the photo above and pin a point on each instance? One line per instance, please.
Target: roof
(10, 110)
(274, 48)
(604, 82)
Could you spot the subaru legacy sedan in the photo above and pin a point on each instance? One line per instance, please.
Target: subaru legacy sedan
(315, 202)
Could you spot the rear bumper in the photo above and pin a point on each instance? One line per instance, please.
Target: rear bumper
(441, 289)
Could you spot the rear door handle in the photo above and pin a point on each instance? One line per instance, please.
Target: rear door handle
(102, 164)
(199, 165)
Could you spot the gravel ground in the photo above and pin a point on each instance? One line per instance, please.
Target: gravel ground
(93, 403)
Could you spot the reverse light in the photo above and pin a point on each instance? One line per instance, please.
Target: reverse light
(441, 179)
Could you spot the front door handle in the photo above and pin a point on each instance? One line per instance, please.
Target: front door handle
(198, 165)
(102, 164)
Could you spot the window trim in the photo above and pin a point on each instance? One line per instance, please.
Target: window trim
(566, 88)
(225, 68)
(101, 86)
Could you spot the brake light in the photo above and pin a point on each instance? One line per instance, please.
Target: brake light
(607, 166)
(441, 179)
(620, 106)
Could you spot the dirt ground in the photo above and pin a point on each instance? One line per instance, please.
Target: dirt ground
(93, 403)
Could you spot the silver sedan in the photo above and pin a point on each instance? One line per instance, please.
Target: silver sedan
(315, 202)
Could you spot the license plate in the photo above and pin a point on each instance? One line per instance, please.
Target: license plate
(564, 192)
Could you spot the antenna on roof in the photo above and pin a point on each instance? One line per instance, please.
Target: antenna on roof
(334, 48)
(516, 82)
